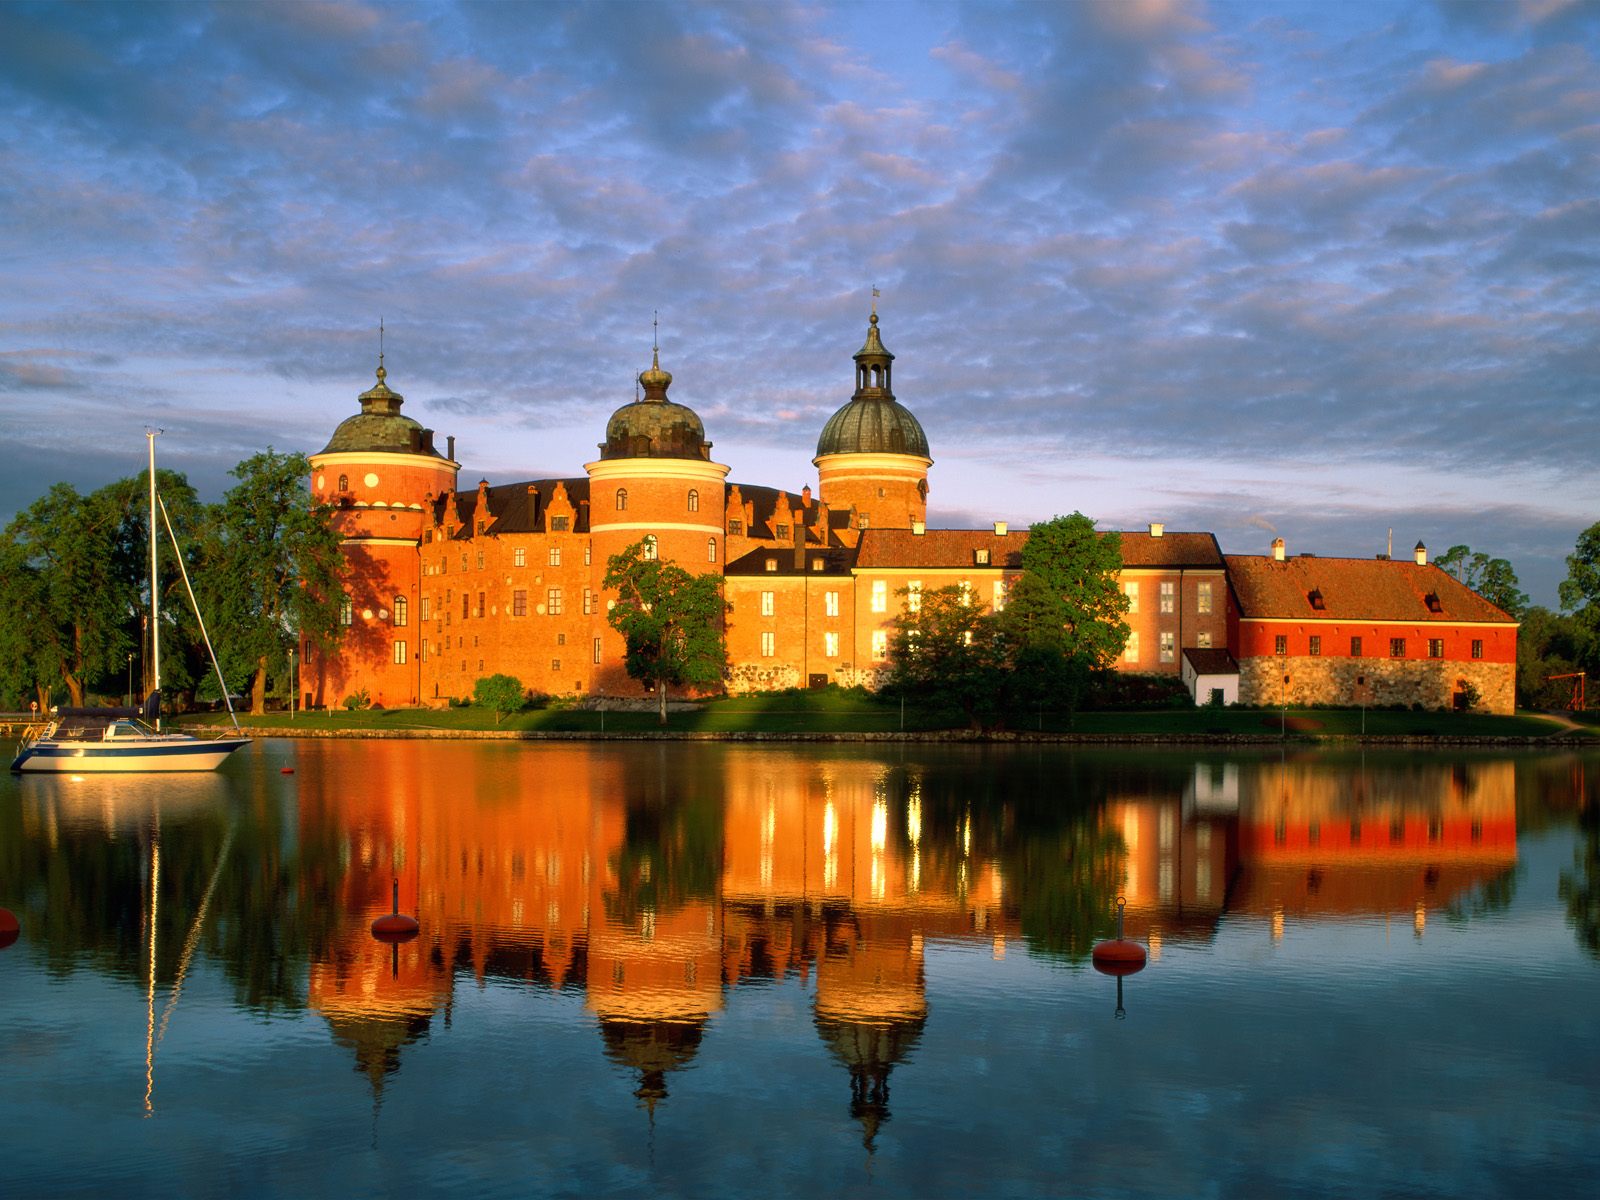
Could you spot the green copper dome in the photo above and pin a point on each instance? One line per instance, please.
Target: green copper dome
(655, 427)
(873, 422)
(379, 428)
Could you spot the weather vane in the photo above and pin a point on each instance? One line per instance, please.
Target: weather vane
(875, 295)
(655, 330)
(380, 341)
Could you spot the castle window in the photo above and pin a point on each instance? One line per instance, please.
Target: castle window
(466, 606)
(555, 664)
(1280, 645)
(1169, 597)
(980, 558)
(401, 611)
(694, 500)
(597, 650)
(830, 644)
(830, 603)
(463, 562)
(736, 527)
(622, 499)
(519, 602)
(427, 536)
(1355, 647)
(588, 553)
(480, 556)
(817, 564)
(783, 532)
(399, 653)
(479, 611)
(880, 644)
(999, 595)
(768, 605)
(559, 524)
(1202, 641)
(711, 549)
(1168, 646)
(561, 639)
(1477, 647)
(425, 607)
(880, 596)
(347, 611)
(422, 650)
(1130, 652)
(649, 547)
(772, 564)
(1202, 600)
(1316, 646)
(768, 643)
(1397, 647)
(588, 602)
(914, 596)
(1131, 591)
(862, 521)
(519, 557)
(555, 556)
(1435, 647)
(344, 483)
(552, 602)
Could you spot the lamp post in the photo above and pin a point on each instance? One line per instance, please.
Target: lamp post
(130, 678)
(294, 683)
(1283, 708)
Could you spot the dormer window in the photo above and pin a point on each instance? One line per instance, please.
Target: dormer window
(980, 558)
(559, 524)
(783, 532)
(1317, 602)
(735, 527)
(816, 564)
(1432, 601)
(772, 564)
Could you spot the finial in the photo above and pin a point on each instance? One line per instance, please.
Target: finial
(655, 339)
(382, 374)
(875, 295)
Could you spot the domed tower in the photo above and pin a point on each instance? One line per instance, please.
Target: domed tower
(377, 470)
(872, 455)
(654, 482)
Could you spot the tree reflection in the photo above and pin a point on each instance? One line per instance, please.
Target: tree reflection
(1580, 888)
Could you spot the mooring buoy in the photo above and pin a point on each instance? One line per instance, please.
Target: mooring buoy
(1119, 957)
(285, 770)
(395, 926)
(10, 927)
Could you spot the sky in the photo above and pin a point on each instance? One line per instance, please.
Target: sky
(1318, 271)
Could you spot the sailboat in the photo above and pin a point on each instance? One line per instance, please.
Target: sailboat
(82, 740)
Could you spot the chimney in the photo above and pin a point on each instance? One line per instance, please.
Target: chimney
(450, 447)
(1000, 529)
(1422, 555)
(1157, 529)
(1277, 549)
(805, 495)
(918, 528)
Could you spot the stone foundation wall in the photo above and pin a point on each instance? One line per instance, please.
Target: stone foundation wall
(1405, 681)
(750, 677)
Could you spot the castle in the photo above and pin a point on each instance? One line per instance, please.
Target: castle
(444, 587)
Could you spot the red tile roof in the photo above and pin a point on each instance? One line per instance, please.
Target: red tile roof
(1354, 589)
(954, 548)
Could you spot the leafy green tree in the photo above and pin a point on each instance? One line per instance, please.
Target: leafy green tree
(273, 569)
(1580, 596)
(1068, 597)
(1548, 644)
(949, 653)
(502, 693)
(671, 622)
(1491, 578)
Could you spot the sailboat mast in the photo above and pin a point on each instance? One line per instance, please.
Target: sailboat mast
(155, 615)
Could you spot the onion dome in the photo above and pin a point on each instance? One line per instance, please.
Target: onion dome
(379, 428)
(653, 426)
(873, 422)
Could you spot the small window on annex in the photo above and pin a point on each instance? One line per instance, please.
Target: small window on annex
(782, 533)
(735, 527)
(1202, 598)
(772, 564)
(1435, 647)
(1280, 644)
(1397, 647)
(1477, 647)
(1355, 647)
(1315, 649)
(1169, 597)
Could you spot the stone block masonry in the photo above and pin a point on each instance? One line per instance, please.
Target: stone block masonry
(1376, 682)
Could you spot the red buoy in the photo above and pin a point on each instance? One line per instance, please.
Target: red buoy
(285, 770)
(10, 927)
(1120, 957)
(395, 926)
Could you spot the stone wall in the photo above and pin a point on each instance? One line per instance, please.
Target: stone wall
(1377, 682)
(753, 677)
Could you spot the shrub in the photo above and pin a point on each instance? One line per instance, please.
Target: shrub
(358, 700)
(503, 693)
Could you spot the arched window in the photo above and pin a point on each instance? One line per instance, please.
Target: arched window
(344, 483)
(711, 549)
(649, 547)
(622, 499)
(347, 611)
(401, 611)
(694, 500)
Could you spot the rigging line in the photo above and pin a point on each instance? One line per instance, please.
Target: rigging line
(193, 940)
(194, 604)
(150, 994)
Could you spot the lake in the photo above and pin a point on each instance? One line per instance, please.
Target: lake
(698, 969)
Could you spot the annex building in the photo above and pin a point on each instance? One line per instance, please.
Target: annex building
(446, 586)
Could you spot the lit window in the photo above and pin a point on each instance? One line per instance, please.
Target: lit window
(422, 650)
(830, 603)
(1477, 647)
(1202, 641)
(519, 557)
(1130, 652)
(966, 591)
(694, 500)
(711, 549)
(880, 644)
(1435, 647)
(588, 553)
(914, 596)
(772, 564)
(830, 645)
(597, 650)
(817, 564)
(399, 652)
(768, 643)
(980, 558)
(861, 522)
(999, 595)
(1169, 597)
(1397, 647)
(1131, 591)
(402, 611)
(519, 603)
(649, 547)
(552, 602)
(880, 597)
(555, 556)
(1202, 599)
(347, 612)
(588, 602)
(1315, 649)
(1168, 646)
(767, 605)
(425, 606)
(622, 499)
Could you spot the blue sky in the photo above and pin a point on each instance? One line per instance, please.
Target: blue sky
(1313, 270)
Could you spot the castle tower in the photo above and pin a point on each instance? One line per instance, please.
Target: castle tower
(654, 482)
(377, 470)
(872, 455)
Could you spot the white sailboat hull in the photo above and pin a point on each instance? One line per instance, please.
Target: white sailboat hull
(167, 752)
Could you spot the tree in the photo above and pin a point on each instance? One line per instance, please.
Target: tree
(948, 652)
(503, 693)
(273, 569)
(671, 622)
(1491, 578)
(1580, 595)
(1068, 596)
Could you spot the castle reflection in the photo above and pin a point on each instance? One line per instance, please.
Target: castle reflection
(658, 887)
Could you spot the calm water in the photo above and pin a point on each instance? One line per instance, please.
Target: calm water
(702, 970)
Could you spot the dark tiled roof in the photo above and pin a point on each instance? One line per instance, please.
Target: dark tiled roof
(1354, 589)
(834, 562)
(513, 509)
(1211, 662)
(955, 547)
(763, 503)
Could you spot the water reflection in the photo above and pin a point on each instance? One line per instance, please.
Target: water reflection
(655, 883)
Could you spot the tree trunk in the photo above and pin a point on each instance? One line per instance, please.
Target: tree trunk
(661, 694)
(258, 689)
(74, 689)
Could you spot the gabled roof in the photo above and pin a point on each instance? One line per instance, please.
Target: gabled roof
(513, 508)
(1354, 589)
(763, 503)
(953, 548)
(1211, 662)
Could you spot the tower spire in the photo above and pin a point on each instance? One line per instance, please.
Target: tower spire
(382, 374)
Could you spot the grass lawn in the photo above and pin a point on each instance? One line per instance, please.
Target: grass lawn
(827, 711)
